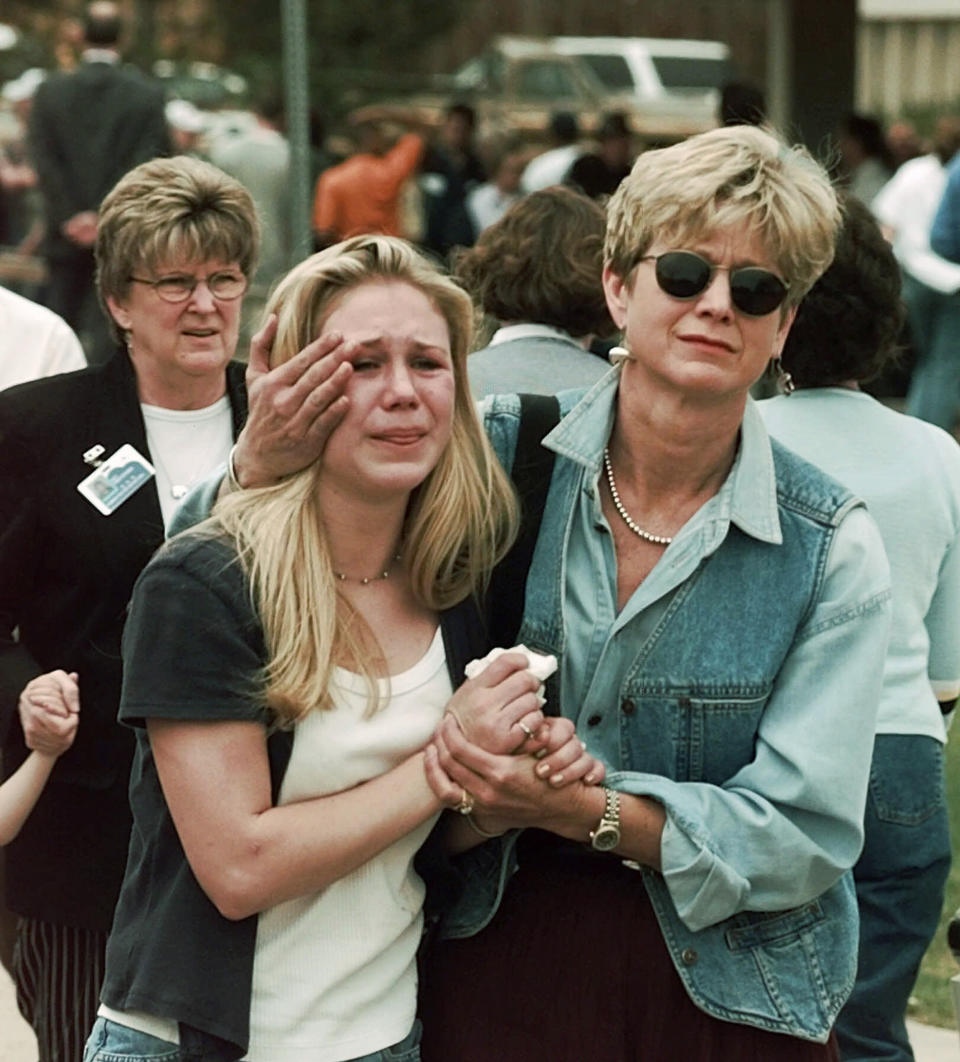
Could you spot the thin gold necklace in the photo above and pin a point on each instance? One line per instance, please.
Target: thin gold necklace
(366, 580)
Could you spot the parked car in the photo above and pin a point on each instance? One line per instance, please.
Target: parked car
(516, 83)
(666, 78)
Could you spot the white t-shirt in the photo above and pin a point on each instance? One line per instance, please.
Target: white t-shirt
(334, 974)
(186, 445)
(908, 473)
(34, 342)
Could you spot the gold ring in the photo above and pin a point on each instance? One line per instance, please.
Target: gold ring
(466, 804)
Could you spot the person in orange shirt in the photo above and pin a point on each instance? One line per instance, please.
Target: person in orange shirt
(362, 195)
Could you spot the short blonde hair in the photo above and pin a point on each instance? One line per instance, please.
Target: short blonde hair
(173, 209)
(460, 521)
(734, 176)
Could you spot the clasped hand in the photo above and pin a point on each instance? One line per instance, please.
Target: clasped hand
(49, 708)
(495, 743)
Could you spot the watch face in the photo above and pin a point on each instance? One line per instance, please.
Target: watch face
(605, 838)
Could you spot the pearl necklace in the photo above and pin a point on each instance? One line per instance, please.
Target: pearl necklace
(366, 580)
(657, 540)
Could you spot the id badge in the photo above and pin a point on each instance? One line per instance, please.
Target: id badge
(113, 481)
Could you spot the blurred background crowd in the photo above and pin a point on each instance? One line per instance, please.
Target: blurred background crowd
(491, 143)
(404, 148)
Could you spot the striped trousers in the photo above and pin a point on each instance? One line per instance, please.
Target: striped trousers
(58, 971)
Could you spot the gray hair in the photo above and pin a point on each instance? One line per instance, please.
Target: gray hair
(164, 211)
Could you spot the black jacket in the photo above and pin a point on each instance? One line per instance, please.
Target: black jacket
(66, 573)
(171, 953)
(87, 129)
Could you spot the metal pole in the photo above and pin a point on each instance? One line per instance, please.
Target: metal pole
(779, 73)
(296, 88)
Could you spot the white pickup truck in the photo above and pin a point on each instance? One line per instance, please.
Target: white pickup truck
(666, 91)
(667, 79)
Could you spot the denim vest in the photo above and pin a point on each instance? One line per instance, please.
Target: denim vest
(700, 689)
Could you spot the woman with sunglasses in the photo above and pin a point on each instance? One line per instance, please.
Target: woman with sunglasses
(92, 465)
(719, 609)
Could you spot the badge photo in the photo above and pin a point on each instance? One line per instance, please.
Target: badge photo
(114, 480)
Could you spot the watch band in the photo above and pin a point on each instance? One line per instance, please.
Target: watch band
(611, 811)
(606, 836)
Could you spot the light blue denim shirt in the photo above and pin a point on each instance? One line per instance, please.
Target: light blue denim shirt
(718, 839)
(738, 687)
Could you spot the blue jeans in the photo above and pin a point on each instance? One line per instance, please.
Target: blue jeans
(110, 1042)
(900, 880)
(934, 320)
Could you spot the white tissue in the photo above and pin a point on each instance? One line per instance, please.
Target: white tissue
(540, 665)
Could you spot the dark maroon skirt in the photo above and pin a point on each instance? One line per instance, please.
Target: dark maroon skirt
(573, 968)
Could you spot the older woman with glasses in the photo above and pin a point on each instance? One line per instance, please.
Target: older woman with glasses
(720, 610)
(92, 466)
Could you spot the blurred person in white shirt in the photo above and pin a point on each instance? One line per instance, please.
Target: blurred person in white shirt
(488, 202)
(34, 341)
(905, 207)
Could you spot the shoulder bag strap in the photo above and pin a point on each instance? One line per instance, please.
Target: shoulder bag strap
(532, 469)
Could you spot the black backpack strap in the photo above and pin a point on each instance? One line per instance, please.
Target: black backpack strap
(532, 469)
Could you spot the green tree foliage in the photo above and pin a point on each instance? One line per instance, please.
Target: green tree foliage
(358, 49)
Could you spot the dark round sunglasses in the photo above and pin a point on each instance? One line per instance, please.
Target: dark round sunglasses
(684, 275)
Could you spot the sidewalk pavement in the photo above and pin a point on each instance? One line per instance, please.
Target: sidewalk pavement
(931, 1044)
(17, 1043)
(16, 1037)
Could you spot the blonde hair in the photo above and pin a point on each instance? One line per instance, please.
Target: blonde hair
(168, 210)
(736, 175)
(460, 521)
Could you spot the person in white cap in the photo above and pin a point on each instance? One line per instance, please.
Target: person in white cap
(186, 124)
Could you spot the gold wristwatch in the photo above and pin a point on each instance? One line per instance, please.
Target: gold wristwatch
(606, 836)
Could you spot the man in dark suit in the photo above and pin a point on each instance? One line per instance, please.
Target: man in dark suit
(87, 128)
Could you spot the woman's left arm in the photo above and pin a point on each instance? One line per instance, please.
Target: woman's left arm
(789, 822)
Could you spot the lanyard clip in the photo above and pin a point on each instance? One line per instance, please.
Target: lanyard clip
(94, 456)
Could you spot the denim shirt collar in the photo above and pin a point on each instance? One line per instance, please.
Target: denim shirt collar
(748, 497)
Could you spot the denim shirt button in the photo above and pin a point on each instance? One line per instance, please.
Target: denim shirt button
(628, 706)
(595, 720)
(689, 956)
